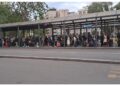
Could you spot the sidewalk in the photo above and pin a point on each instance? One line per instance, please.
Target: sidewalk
(99, 55)
(61, 47)
(66, 59)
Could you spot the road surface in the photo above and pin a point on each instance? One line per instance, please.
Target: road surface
(33, 71)
(28, 71)
(105, 54)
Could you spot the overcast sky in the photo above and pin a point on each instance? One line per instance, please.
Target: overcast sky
(72, 6)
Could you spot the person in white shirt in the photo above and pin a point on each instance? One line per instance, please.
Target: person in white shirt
(105, 40)
(68, 41)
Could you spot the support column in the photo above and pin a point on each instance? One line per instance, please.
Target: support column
(108, 30)
(1, 38)
(74, 27)
(64, 32)
(104, 27)
(18, 36)
(96, 26)
(53, 37)
(80, 29)
(114, 35)
(60, 30)
(29, 32)
(86, 31)
(101, 32)
(43, 39)
(101, 26)
(33, 32)
(44, 32)
(39, 36)
(4, 34)
(23, 32)
(52, 31)
(86, 26)
(68, 31)
(96, 34)
(118, 21)
(1, 33)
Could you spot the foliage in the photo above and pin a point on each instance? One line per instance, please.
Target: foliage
(117, 6)
(30, 9)
(99, 7)
(21, 11)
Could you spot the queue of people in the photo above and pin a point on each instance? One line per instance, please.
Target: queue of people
(71, 40)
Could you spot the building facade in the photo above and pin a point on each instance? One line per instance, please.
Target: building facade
(83, 11)
(62, 13)
(51, 13)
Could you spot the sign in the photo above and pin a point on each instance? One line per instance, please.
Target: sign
(88, 25)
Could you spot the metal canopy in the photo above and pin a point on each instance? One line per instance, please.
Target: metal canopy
(80, 18)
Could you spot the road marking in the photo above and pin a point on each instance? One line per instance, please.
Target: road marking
(114, 73)
(117, 69)
(112, 76)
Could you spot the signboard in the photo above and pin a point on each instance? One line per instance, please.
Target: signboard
(88, 25)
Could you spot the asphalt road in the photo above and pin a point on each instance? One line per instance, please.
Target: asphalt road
(105, 54)
(28, 71)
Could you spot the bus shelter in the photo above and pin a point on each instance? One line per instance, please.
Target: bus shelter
(108, 21)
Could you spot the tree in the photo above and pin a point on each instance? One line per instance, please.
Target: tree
(99, 7)
(21, 11)
(107, 6)
(3, 13)
(7, 15)
(117, 6)
(95, 7)
(30, 10)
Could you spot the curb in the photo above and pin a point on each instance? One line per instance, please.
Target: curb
(67, 59)
(63, 48)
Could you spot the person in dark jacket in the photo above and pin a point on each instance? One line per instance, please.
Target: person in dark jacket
(0, 42)
(118, 37)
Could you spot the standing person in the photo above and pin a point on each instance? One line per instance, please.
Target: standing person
(58, 41)
(115, 41)
(26, 41)
(97, 39)
(105, 40)
(80, 40)
(42, 40)
(118, 37)
(94, 41)
(0, 42)
(65, 40)
(111, 41)
(55, 42)
(68, 41)
(102, 38)
(46, 41)
(71, 40)
(62, 41)
(84, 38)
(90, 40)
(6, 42)
(49, 41)
(108, 39)
(75, 41)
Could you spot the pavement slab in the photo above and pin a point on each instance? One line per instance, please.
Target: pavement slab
(86, 55)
